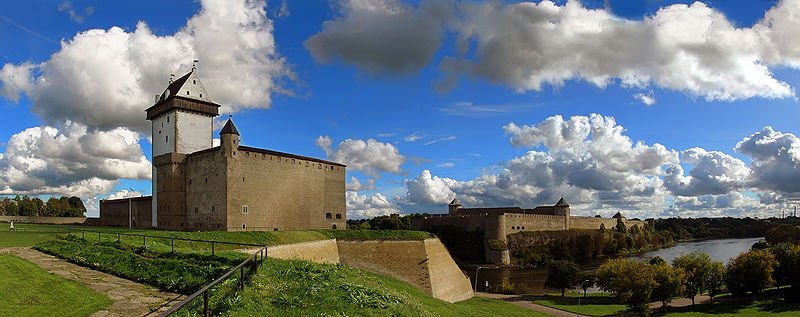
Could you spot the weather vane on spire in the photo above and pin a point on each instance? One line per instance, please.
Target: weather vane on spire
(171, 77)
(194, 64)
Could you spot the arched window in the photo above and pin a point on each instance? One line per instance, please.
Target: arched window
(338, 216)
(328, 215)
(334, 226)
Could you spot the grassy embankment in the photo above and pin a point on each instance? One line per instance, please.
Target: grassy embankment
(281, 288)
(298, 288)
(28, 290)
(29, 238)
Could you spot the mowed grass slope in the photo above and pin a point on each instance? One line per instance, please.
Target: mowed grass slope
(164, 243)
(27, 290)
(299, 288)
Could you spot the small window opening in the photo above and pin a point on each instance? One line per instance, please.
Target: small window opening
(195, 209)
(244, 227)
(334, 226)
(187, 92)
(242, 179)
(201, 95)
(194, 82)
(338, 216)
(328, 215)
(212, 208)
(206, 179)
(167, 138)
(244, 209)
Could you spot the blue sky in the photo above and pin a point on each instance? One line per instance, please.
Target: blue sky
(425, 100)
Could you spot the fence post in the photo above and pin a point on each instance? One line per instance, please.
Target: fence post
(172, 243)
(144, 241)
(98, 236)
(241, 277)
(117, 237)
(83, 234)
(212, 247)
(206, 313)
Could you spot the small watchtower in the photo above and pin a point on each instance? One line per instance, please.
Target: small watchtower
(561, 208)
(453, 207)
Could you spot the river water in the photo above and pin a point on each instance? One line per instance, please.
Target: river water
(533, 278)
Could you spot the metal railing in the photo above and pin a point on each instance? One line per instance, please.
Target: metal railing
(255, 260)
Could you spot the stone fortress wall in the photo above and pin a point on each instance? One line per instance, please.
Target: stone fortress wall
(498, 223)
(425, 264)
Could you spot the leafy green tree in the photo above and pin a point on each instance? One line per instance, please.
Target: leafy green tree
(669, 282)
(657, 260)
(621, 226)
(563, 274)
(696, 266)
(786, 254)
(750, 272)
(715, 279)
(783, 233)
(632, 282)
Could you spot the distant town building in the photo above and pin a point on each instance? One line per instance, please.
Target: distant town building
(197, 186)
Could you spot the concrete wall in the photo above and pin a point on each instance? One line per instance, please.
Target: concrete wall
(44, 220)
(115, 212)
(325, 251)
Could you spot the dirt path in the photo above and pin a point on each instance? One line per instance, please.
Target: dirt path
(130, 298)
(526, 301)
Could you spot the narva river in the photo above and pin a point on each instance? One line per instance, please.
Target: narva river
(719, 250)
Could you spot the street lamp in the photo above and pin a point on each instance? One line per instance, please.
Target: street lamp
(130, 218)
(579, 296)
(476, 277)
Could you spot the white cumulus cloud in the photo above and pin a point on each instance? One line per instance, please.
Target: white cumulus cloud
(370, 156)
(105, 78)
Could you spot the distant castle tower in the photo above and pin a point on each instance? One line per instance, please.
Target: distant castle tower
(182, 123)
(453, 207)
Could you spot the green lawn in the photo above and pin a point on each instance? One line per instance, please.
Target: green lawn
(592, 305)
(299, 288)
(28, 290)
(22, 239)
(752, 308)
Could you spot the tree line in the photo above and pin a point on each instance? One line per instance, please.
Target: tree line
(775, 262)
(35, 207)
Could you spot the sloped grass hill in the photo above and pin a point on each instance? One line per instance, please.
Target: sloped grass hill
(300, 288)
(177, 272)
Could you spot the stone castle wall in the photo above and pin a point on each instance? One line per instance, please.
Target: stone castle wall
(206, 191)
(47, 220)
(594, 223)
(285, 193)
(115, 212)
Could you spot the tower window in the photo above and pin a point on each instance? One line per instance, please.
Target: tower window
(328, 215)
(167, 138)
(195, 209)
(244, 209)
(201, 95)
(212, 208)
(167, 118)
(194, 82)
(187, 92)
(338, 216)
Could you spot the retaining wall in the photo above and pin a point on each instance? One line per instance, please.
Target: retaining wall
(325, 251)
(44, 220)
(425, 264)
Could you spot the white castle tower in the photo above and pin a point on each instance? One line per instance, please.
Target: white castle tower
(182, 123)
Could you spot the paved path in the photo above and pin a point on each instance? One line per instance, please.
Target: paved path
(526, 301)
(130, 298)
